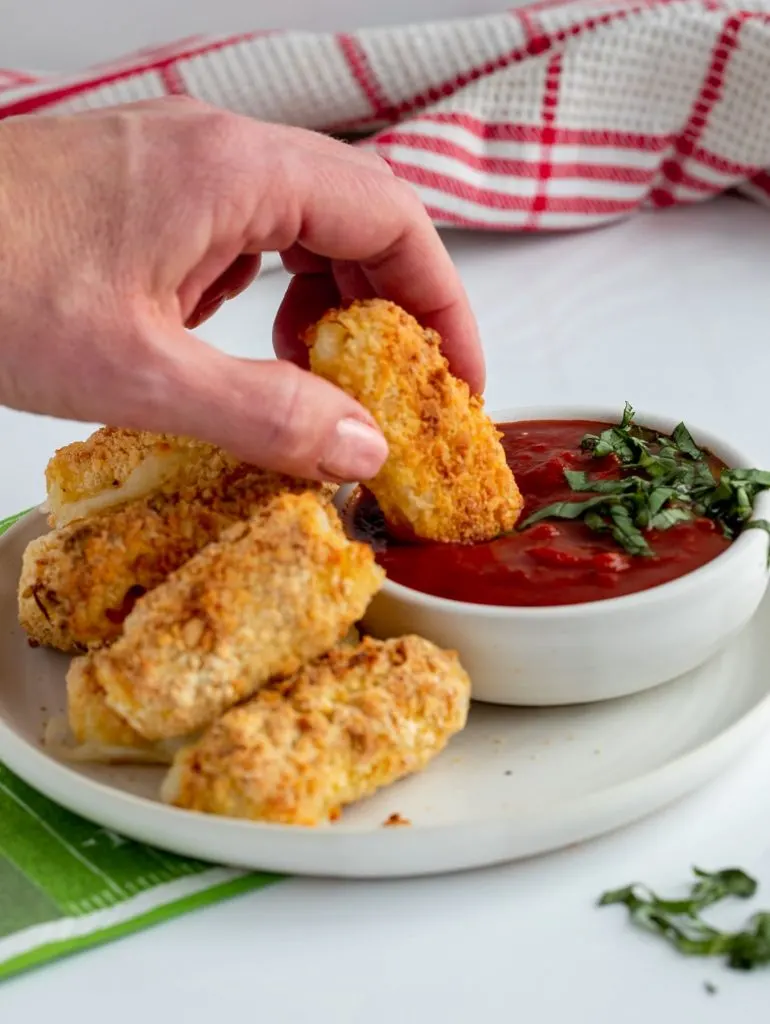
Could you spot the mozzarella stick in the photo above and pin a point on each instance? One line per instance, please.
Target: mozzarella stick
(272, 593)
(353, 721)
(114, 466)
(92, 731)
(79, 583)
(446, 477)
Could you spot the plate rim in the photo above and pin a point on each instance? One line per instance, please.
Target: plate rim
(58, 768)
(80, 793)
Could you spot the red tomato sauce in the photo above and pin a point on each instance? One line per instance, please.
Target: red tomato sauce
(554, 562)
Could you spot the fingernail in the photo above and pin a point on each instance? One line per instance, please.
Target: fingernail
(356, 451)
(204, 312)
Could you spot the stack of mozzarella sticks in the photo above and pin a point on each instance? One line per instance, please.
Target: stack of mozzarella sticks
(210, 604)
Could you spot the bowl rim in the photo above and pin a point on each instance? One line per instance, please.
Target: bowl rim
(678, 588)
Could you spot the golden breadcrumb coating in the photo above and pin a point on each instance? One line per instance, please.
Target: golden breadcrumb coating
(80, 582)
(344, 726)
(99, 733)
(114, 466)
(272, 593)
(446, 477)
(91, 719)
(92, 731)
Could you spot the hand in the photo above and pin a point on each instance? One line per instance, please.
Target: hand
(121, 227)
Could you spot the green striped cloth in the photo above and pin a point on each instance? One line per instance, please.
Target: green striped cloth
(67, 884)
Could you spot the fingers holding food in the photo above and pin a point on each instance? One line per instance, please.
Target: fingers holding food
(446, 477)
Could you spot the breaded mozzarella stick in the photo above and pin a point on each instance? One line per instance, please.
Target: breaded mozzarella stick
(271, 594)
(79, 583)
(446, 477)
(355, 720)
(113, 466)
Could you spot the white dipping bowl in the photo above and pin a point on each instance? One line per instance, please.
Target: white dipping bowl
(576, 654)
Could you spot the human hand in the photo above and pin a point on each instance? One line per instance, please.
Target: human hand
(122, 227)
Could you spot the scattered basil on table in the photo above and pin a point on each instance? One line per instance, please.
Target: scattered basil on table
(680, 922)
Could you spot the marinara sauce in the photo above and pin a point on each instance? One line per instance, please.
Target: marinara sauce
(554, 562)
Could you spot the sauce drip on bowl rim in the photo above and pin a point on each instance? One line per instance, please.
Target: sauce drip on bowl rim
(552, 562)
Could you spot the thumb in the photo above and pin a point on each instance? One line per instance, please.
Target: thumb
(270, 413)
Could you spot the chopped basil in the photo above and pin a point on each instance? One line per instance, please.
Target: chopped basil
(670, 517)
(681, 924)
(666, 481)
(616, 440)
(684, 442)
(626, 533)
(565, 510)
(731, 502)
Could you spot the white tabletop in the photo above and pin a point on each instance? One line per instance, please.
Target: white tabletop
(670, 311)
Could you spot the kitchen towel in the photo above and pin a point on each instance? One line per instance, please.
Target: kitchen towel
(558, 115)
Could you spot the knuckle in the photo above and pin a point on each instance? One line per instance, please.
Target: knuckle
(184, 103)
(379, 163)
(227, 165)
(406, 194)
(209, 139)
(204, 155)
(220, 134)
(166, 104)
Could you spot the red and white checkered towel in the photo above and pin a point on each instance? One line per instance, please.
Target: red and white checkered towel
(563, 114)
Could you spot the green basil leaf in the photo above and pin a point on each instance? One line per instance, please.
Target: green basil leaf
(679, 921)
(713, 886)
(580, 481)
(628, 416)
(562, 510)
(626, 533)
(664, 481)
(684, 441)
(670, 517)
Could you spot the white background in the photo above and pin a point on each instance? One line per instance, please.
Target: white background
(670, 311)
(68, 34)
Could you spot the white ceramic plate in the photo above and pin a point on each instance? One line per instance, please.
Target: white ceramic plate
(515, 783)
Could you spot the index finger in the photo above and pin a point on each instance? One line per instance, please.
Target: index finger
(336, 207)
